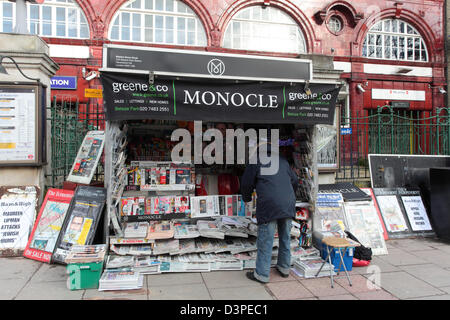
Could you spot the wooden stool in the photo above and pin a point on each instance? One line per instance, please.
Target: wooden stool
(340, 244)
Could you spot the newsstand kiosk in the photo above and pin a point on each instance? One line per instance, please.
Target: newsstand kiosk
(156, 100)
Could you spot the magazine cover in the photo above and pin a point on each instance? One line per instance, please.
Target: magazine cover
(80, 223)
(86, 162)
(183, 176)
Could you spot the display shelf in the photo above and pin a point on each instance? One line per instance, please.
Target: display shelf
(153, 217)
(168, 187)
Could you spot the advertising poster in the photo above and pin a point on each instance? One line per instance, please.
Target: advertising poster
(17, 215)
(416, 213)
(81, 221)
(18, 125)
(392, 213)
(369, 192)
(42, 240)
(329, 215)
(363, 222)
(89, 154)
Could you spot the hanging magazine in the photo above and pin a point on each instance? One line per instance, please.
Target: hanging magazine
(81, 220)
(47, 227)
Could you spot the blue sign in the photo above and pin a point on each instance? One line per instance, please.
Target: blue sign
(64, 83)
(345, 131)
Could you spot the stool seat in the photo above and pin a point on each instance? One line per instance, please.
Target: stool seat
(337, 242)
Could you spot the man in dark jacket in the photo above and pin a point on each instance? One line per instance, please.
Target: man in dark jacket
(275, 207)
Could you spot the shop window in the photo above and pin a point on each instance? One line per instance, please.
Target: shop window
(264, 29)
(394, 39)
(53, 18)
(158, 21)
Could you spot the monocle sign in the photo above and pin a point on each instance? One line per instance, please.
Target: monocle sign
(216, 67)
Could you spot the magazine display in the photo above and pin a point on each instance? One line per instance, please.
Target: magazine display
(136, 230)
(80, 223)
(120, 280)
(43, 237)
(87, 159)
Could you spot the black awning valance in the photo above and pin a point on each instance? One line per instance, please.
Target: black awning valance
(131, 97)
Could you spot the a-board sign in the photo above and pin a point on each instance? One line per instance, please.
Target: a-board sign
(398, 219)
(364, 224)
(131, 97)
(18, 206)
(81, 221)
(87, 159)
(42, 240)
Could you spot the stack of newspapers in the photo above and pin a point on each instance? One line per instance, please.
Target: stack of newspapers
(309, 268)
(210, 229)
(136, 230)
(120, 280)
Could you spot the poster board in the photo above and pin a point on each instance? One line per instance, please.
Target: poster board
(42, 240)
(395, 214)
(18, 206)
(369, 192)
(81, 221)
(328, 138)
(364, 224)
(329, 214)
(87, 159)
(22, 124)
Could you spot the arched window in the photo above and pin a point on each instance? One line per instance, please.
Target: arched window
(394, 39)
(53, 18)
(157, 21)
(264, 29)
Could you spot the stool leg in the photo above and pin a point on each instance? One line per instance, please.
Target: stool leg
(345, 269)
(323, 264)
(331, 267)
(340, 263)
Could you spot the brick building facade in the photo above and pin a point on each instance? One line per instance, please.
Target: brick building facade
(387, 50)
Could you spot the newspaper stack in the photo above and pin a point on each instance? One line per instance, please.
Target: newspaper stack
(234, 226)
(116, 262)
(166, 246)
(210, 229)
(186, 246)
(248, 259)
(226, 261)
(160, 230)
(186, 232)
(194, 263)
(136, 230)
(204, 245)
(120, 280)
(140, 250)
(86, 254)
(309, 268)
(120, 250)
(299, 253)
(146, 265)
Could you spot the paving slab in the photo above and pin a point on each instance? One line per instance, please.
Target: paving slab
(50, 272)
(242, 293)
(445, 289)
(403, 285)
(441, 297)
(411, 244)
(434, 275)
(50, 290)
(195, 291)
(359, 284)
(276, 277)
(376, 265)
(339, 297)
(168, 279)
(10, 288)
(94, 294)
(18, 268)
(375, 295)
(228, 279)
(289, 290)
(436, 256)
(322, 287)
(399, 257)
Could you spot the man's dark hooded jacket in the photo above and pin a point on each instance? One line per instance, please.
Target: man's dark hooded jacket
(275, 193)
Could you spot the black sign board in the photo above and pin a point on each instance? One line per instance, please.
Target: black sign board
(81, 221)
(131, 97)
(400, 104)
(349, 191)
(206, 64)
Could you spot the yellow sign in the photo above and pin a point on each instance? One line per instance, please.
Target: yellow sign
(93, 93)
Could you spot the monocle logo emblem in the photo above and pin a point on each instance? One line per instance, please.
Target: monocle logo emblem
(216, 67)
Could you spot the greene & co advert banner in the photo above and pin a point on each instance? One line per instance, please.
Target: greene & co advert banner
(132, 97)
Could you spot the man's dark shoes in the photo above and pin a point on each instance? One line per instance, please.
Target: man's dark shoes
(251, 276)
(282, 274)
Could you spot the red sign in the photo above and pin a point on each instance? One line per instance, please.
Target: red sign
(42, 240)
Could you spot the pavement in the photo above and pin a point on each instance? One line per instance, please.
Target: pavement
(417, 269)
